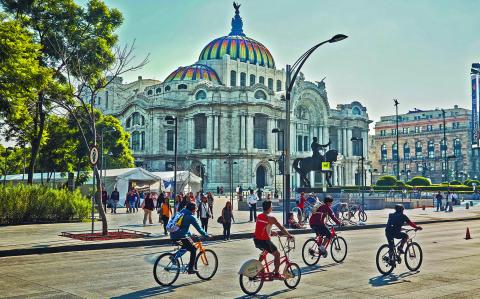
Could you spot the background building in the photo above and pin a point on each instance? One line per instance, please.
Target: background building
(422, 148)
(227, 104)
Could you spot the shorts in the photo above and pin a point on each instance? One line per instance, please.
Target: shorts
(322, 230)
(265, 245)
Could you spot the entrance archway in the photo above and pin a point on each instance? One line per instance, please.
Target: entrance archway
(261, 176)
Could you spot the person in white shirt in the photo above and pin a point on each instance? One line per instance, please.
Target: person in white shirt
(205, 212)
(252, 200)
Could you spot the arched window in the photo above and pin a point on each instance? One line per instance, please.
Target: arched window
(243, 79)
(279, 85)
(394, 151)
(260, 124)
(356, 111)
(431, 149)
(233, 78)
(383, 151)
(142, 142)
(260, 95)
(261, 80)
(158, 90)
(252, 79)
(143, 120)
(167, 88)
(270, 83)
(443, 148)
(182, 86)
(170, 139)
(201, 95)
(150, 92)
(136, 141)
(136, 118)
(457, 147)
(200, 123)
(129, 122)
(406, 151)
(418, 149)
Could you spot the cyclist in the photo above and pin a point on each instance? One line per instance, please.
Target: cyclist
(183, 236)
(317, 222)
(262, 234)
(394, 226)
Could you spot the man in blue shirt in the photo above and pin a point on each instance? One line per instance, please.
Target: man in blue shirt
(183, 236)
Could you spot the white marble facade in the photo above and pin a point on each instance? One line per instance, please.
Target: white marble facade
(227, 104)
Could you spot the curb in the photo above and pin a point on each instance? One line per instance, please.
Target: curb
(160, 242)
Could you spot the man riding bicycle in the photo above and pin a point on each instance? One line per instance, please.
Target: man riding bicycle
(318, 219)
(394, 228)
(183, 236)
(262, 234)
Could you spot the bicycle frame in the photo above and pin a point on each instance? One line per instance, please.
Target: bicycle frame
(201, 249)
(319, 238)
(267, 275)
(409, 240)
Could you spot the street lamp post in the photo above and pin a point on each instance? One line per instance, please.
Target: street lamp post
(285, 207)
(359, 139)
(291, 76)
(170, 119)
(5, 155)
(372, 172)
(445, 144)
(396, 131)
(230, 163)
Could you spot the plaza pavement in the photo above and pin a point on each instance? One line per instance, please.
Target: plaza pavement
(47, 236)
(450, 270)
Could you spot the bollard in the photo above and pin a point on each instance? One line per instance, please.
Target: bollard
(471, 203)
(423, 207)
(467, 206)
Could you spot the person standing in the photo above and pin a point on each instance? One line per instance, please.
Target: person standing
(210, 200)
(205, 213)
(148, 208)
(182, 202)
(165, 213)
(240, 190)
(104, 198)
(301, 206)
(439, 198)
(259, 193)
(252, 200)
(132, 199)
(114, 197)
(140, 198)
(227, 216)
(448, 204)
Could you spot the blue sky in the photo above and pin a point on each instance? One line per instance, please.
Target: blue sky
(419, 52)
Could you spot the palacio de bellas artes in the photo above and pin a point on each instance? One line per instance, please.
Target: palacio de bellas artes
(227, 103)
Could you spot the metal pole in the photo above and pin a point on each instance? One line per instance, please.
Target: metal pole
(175, 169)
(287, 144)
(275, 178)
(398, 146)
(363, 176)
(101, 165)
(5, 169)
(231, 181)
(283, 180)
(24, 162)
(445, 146)
(93, 200)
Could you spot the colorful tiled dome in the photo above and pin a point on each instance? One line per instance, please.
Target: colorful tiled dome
(238, 46)
(194, 72)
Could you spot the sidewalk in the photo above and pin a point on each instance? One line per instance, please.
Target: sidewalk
(48, 235)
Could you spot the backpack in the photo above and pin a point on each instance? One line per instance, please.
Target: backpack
(174, 224)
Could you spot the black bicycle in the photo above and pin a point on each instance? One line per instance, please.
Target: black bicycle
(413, 256)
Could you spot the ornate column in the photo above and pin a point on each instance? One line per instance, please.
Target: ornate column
(365, 144)
(216, 135)
(249, 132)
(344, 142)
(272, 145)
(349, 142)
(339, 140)
(209, 132)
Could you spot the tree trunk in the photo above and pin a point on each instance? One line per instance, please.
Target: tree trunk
(98, 199)
(39, 126)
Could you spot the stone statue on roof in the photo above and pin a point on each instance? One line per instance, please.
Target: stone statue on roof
(237, 7)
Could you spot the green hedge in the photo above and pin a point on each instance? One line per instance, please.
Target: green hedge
(419, 181)
(35, 203)
(386, 180)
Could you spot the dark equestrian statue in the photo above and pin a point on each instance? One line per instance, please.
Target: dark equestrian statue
(303, 166)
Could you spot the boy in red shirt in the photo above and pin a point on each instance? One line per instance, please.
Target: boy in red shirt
(318, 219)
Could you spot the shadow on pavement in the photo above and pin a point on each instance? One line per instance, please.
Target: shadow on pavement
(156, 291)
(265, 295)
(382, 280)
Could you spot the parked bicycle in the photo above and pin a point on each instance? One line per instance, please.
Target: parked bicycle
(387, 260)
(311, 249)
(168, 266)
(254, 273)
(350, 212)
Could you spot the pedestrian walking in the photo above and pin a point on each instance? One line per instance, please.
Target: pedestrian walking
(252, 200)
(131, 199)
(183, 202)
(439, 198)
(227, 217)
(259, 194)
(114, 198)
(210, 200)
(140, 199)
(165, 212)
(205, 213)
(148, 207)
(448, 204)
(104, 198)
(222, 190)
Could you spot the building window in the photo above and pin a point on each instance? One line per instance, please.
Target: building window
(200, 123)
(158, 90)
(252, 80)
(406, 130)
(384, 152)
(299, 143)
(417, 129)
(182, 86)
(456, 125)
(142, 143)
(260, 131)
(440, 126)
(431, 149)
(384, 168)
(406, 151)
(419, 167)
(443, 148)
(418, 149)
(429, 128)
(201, 95)
(457, 147)
(270, 83)
(394, 131)
(170, 139)
(356, 111)
(167, 88)
(170, 166)
(260, 95)
(243, 79)
(233, 78)
(394, 151)
(305, 142)
(383, 133)
(136, 141)
(137, 119)
(150, 92)
(129, 121)
(444, 166)
(280, 126)
(261, 80)
(279, 85)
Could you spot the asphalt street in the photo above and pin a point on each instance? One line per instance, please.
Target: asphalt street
(451, 268)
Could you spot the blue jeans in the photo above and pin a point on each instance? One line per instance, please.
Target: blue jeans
(439, 204)
(131, 206)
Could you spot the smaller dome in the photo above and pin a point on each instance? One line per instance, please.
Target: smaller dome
(194, 72)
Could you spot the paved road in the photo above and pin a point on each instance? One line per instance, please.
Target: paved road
(451, 268)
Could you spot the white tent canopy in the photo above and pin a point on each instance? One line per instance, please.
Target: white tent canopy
(186, 181)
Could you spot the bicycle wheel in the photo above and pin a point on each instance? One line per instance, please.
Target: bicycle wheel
(206, 264)
(293, 275)
(338, 249)
(383, 260)
(413, 256)
(362, 216)
(166, 269)
(311, 252)
(251, 285)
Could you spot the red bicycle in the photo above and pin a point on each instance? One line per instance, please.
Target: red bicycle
(254, 273)
(311, 249)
